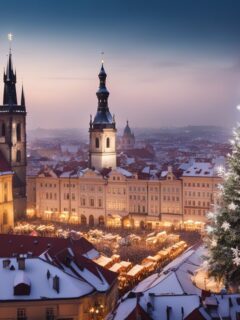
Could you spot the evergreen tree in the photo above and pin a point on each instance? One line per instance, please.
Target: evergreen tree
(224, 228)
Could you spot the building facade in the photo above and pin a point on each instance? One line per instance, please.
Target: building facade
(120, 198)
(13, 137)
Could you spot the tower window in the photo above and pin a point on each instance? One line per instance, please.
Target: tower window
(97, 142)
(18, 132)
(18, 156)
(108, 143)
(3, 130)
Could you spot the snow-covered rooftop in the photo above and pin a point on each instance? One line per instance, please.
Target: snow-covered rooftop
(35, 276)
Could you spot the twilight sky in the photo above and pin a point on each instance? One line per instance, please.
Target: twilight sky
(169, 63)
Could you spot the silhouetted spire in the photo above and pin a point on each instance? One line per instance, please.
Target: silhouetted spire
(9, 78)
(22, 98)
(103, 117)
(102, 92)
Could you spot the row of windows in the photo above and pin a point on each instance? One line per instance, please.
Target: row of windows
(198, 185)
(97, 143)
(197, 194)
(154, 189)
(50, 185)
(91, 202)
(137, 197)
(198, 212)
(172, 189)
(117, 190)
(66, 196)
(51, 196)
(116, 178)
(170, 198)
(69, 185)
(91, 188)
(139, 209)
(197, 203)
(139, 189)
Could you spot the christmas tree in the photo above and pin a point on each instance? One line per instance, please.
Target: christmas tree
(224, 228)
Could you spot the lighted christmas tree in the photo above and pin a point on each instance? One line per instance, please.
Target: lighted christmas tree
(224, 229)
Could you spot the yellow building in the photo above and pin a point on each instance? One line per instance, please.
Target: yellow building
(6, 197)
(120, 198)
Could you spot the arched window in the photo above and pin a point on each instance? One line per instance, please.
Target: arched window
(91, 220)
(18, 132)
(97, 142)
(108, 143)
(18, 156)
(3, 130)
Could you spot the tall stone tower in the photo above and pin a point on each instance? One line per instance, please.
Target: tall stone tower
(13, 137)
(102, 131)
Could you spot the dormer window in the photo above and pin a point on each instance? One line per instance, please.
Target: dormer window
(22, 284)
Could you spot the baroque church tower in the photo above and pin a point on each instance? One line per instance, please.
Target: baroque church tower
(13, 137)
(102, 131)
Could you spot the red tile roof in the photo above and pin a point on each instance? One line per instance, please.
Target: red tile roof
(17, 244)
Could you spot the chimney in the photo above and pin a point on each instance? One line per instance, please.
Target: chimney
(169, 169)
(56, 281)
(21, 263)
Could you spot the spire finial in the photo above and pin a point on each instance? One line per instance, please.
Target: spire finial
(10, 38)
(102, 53)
